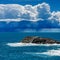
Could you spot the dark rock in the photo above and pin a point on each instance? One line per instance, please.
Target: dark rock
(39, 40)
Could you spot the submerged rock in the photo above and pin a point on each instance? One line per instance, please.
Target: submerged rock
(39, 40)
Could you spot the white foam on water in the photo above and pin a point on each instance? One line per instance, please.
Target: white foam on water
(30, 44)
(48, 53)
(21, 44)
(52, 53)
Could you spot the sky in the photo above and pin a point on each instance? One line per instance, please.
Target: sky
(29, 15)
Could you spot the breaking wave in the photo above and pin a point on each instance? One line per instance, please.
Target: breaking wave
(21, 44)
(52, 52)
(48, 53)
(29, 44)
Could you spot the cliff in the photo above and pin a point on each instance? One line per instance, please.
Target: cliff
(39, 40)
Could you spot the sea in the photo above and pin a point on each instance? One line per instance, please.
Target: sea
(12, 49)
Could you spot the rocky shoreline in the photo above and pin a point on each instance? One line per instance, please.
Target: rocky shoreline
(39, 40)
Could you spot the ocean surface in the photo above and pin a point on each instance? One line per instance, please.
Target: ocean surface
(12, 49)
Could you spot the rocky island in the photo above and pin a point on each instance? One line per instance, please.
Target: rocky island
(39, 40)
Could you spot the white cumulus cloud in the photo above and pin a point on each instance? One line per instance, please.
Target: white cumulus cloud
(43, 11)
(27, 12)
(40, 14)
(55, 16)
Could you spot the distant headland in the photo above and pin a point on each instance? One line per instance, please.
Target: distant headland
(39, 40)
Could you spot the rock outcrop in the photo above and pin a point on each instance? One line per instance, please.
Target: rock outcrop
(39, 40)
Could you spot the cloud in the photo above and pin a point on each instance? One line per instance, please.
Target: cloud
(55, 16)
(29, 12)
(14, 11)
(28, 17)
(50, 30)
(54, 30)
(43, 11)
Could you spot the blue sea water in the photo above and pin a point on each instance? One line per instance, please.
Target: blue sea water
(12, 49)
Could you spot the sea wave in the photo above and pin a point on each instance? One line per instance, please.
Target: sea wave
(48, 53)
(21, 44)
(29, 44)
(52, 52)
